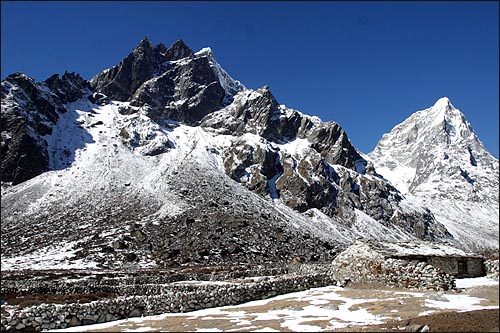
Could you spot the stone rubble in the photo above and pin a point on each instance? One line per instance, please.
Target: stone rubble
(491, 268)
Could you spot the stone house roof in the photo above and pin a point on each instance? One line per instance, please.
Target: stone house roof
(411, 249)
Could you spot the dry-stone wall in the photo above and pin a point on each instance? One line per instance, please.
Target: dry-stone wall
(491, 268)
(414, 274)
(361, 264)
(168, 298)
(147, 284)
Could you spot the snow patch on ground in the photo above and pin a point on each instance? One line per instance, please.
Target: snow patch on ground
(474, 282)
(53, 257)
(458, 302)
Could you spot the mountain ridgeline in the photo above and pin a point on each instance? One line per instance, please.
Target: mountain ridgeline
(164, 159)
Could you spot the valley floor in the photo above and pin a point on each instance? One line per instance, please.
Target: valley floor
(355, 308)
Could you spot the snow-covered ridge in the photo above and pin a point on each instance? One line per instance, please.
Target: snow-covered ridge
(230, 85)
(435, 157)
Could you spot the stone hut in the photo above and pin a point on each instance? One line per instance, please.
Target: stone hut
(415, 264)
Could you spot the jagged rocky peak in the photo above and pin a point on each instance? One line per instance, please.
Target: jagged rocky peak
(21, 94)
(19, 78)
(177, 51)
(254, 112)
(186, 89)
(168, 83)
(120, 81)
(309, 164)
(144, 44)
(69, 87)
(143, 63)
(258, 112)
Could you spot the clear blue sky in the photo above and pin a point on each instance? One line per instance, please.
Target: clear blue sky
(366, 65)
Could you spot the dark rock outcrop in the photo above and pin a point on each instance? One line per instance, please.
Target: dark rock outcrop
(120, 81)
(22, 156)
(259, 113)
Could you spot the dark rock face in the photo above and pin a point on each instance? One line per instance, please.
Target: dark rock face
(300, 191)
(154, 81)
(22, 156)
(121, 81)
(331, 141)
(177, 51)
(185, 92)
(259, 113)
(263, 163)
(45, 102)
(29, 111)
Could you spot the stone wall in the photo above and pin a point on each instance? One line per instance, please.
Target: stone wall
(146, 284)
(474, 266)
(160, 299)
(362, 265)
(491, 267)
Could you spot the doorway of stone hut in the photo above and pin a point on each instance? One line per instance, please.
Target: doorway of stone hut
(462, 268)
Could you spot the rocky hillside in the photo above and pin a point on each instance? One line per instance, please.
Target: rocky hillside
(164, 159)
(435, 157)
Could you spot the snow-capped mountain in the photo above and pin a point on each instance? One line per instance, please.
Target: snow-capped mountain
(164, 159)
(435, 157)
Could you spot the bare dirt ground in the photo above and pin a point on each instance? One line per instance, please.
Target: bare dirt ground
(358, 308)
